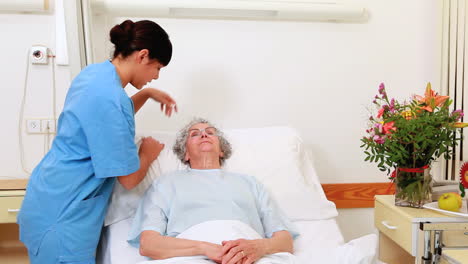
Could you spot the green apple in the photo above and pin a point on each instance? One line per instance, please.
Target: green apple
(450, 202)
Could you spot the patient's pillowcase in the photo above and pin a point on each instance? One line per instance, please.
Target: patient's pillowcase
(207, 195)
(274, 155)
(123, 202)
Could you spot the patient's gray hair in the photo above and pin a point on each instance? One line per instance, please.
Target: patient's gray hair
(182, 136)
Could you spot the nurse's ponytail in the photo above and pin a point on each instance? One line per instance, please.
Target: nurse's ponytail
(132, 36)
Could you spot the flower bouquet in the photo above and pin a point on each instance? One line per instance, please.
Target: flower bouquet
(405, 138)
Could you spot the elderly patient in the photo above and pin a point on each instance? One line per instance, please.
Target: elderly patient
(204, 192)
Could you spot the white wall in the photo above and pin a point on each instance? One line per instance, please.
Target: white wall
(317, 77)
(19, 33)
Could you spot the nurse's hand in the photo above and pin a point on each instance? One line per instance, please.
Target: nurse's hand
(149, 151)
(167, 103)
(150, 148)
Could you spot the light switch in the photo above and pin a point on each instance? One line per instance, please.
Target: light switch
(48, 126)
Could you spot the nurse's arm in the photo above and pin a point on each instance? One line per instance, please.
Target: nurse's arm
(156, 246)
(166, 101)
(149, 151)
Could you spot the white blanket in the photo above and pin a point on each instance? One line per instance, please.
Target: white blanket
(216, 232)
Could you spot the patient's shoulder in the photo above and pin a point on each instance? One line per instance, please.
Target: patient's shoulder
(245, 177)
(173, 173)
(170, 176)
(254, 182)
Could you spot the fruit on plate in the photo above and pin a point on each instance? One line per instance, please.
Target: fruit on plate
(450, 201)
(459, 199)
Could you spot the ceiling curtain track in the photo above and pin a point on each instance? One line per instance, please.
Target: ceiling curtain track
(453, 74)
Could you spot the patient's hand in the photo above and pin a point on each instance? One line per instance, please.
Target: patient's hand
(243, 251)
(213, 252)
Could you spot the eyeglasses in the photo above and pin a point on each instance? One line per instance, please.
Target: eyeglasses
(196, 132)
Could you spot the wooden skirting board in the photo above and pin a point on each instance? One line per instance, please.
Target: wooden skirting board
(344, 195)
(356, 195)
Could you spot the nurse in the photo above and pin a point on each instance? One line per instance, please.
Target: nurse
(67, 194)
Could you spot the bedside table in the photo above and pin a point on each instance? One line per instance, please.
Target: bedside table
(453, 256)
(12, 251)
(409, 235)
(10, 203)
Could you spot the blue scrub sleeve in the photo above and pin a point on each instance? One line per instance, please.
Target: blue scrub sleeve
(152, 212)
(110, 135)
(272, 217)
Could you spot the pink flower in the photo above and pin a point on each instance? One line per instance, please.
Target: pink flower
(389, 127)
(379, 139)
(380, 113)
(458, 114)
(381, 88)
(391, 107)
(378, 128)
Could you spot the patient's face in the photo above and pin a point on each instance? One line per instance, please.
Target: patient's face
(202, 138)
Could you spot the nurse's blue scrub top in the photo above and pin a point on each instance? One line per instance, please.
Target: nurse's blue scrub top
(69, 190)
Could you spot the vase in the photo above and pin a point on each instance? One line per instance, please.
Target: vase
(413, 187)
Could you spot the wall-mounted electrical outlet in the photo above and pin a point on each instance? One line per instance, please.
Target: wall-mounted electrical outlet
(39, 55)
(41, 125)
(33, 126)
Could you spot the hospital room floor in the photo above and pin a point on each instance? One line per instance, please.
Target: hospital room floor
(12, 251)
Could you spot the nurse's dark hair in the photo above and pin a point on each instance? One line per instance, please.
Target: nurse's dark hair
(132, 36)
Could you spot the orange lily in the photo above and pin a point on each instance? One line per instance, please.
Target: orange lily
(460, 125)
(431, 99)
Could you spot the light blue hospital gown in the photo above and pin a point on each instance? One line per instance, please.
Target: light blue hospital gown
(184, 198)
(67, 195)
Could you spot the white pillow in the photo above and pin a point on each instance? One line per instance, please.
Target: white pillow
(274, 155)
(123, 202)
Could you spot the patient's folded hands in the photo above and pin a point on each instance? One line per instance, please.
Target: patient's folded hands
(213, 251)
(243, 251)
(247, 251)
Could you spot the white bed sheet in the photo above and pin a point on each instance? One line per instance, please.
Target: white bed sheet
(320, 242)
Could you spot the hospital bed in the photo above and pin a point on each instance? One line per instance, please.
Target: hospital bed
(274, 155)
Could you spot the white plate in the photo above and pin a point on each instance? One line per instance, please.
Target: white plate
(435, 206)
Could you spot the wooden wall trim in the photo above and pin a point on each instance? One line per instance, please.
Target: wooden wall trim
(13, 184)
(356, 195)
(344, 195)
